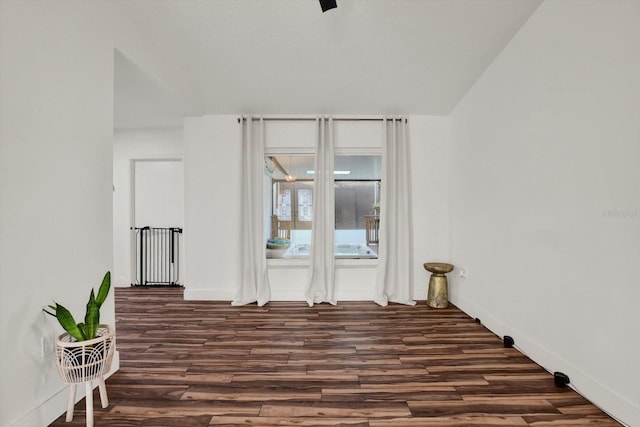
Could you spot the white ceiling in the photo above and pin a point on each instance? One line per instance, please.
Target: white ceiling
(287, 57)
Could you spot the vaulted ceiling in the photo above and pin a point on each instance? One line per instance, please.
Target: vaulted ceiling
(287, 57)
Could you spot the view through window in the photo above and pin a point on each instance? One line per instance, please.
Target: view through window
(357, 181)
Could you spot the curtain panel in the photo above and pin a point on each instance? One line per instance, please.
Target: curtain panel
(321, 282)
(395, 251)
(254, 281)
(394, 276)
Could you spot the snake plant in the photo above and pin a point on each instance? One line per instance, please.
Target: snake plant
(88, 329)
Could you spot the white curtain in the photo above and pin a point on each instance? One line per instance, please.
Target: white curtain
(321, 286)
(394, 276)
(254, 282)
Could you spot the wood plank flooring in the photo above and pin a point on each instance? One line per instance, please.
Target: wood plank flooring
(197, 363)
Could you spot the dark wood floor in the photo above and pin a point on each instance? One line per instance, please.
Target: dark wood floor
(186, 363)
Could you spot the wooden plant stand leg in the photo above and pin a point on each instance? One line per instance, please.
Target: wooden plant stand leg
(89, 400)
(72, 402)
(104, 399)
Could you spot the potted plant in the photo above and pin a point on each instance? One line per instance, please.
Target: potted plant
(84, 352)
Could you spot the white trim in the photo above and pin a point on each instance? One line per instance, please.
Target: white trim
(277, 295)
(204, 294)
(288, 295)
(366, 295)
(358, 151)
(292, 151)
(132, 221)
(598, 394)
(285, 117)
(56, 405)
(288, 263)
(339, 263)
(342, 263)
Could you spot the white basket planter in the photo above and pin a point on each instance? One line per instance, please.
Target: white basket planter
(84, 361)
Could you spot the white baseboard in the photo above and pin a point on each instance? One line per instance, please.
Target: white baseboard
(191, 294)
(56, 405)
(276, 295)
(606, 399)
(355, 295)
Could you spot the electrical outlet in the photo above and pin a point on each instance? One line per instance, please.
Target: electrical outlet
(463, 273)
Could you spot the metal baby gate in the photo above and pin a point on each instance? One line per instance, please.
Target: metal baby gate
(157, 256)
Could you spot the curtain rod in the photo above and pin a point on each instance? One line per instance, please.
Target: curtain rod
(353, 119)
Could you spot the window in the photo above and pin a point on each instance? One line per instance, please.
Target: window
(357, 194)
(291, 209)
(357, 197)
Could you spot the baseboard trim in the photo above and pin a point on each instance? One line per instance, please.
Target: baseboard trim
(56, 405)
(616, 406)
(276, 295)
(191, 294)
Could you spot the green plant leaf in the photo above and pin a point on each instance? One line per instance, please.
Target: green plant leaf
(68, 323)
(103, 291)
(51, 313)
(87, 330)
(92, 317)
(83, 330)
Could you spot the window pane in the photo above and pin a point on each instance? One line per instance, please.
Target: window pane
(283, 204)
(305, 204)
(290, 214)
(357, 181)
(357, 197)
(354, 200)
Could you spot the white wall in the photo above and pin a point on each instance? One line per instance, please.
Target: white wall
(212, 153)
(545, 200)
(429, 152)
(56, 121)
(212, 206)
(130, 145)
(158, 188)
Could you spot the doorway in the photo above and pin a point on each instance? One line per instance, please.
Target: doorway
(157, 213)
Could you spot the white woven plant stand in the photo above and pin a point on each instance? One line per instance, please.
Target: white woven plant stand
(83, 362)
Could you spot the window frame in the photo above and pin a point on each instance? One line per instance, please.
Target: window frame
(343, 151)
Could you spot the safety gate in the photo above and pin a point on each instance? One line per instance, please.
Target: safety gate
(157, 256)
